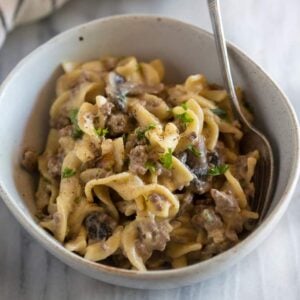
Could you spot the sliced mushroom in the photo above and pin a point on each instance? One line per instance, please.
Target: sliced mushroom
(197, 161)
(114, 91)
(99, 226)
(117, 89)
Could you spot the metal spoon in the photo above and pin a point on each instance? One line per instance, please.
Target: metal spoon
(253, 139)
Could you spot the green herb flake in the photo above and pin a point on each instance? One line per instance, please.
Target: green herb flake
(73, 116)
(194, 150)
(150, 127)
(102, 132)
(184, 105)
(125, 137)
(77, 132)
(67, 172)
(220, 112)
(167, 159)
(140, 133)
(184, 118)
(151, 166)
(218, 170)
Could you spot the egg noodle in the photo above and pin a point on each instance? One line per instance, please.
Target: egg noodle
(143, 175)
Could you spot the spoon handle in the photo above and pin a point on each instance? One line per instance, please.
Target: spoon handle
(216, 21)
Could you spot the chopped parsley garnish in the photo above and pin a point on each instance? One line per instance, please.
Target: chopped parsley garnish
(101, 132)
(184, 105)
(67, 172)
(150, 126)
(151, 166)
(218, 170)
(194, 150)
(77, 132)
(73, 115)
(125, 137)
(220, 112)
(140, 133)
(184, 118)
(167, 159)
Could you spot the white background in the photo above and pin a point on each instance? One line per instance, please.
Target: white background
(269, 32)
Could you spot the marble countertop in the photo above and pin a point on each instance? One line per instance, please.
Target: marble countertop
(268, 31)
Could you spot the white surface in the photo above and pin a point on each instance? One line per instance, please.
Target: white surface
(266, 31)
(157, 37)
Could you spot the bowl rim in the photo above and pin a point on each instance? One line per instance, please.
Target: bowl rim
(79, 262)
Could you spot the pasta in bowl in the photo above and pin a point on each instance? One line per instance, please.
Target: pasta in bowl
(139, 174)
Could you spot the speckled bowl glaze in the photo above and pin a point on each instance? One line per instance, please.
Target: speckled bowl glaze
(27, 93)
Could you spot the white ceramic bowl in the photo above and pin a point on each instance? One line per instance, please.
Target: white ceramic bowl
(27, 93)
